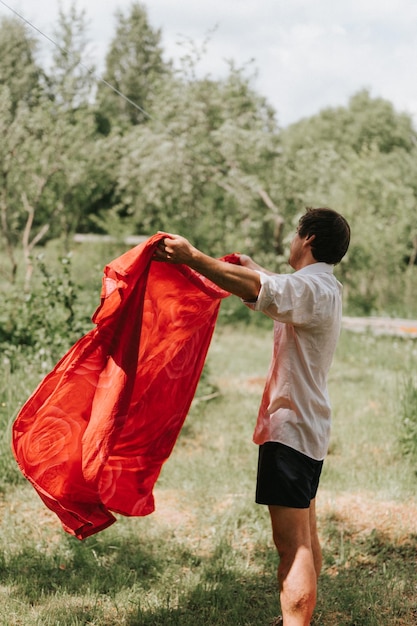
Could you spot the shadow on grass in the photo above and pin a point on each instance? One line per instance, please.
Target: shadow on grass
(161, 584)
(368, 580)
(231, 599)
(100, 566)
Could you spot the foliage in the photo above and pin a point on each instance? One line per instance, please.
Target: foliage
(40, 325)
(134, 66)
(19, 69)
(51, 168)
(71, 82)
(364, 124)
(179, 151)
(45, 163)
(195, 178)
(361, 160)
(409, 418)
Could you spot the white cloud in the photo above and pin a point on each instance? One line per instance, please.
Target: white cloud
(309, 54)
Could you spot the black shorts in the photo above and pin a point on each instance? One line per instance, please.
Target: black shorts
(286, 477)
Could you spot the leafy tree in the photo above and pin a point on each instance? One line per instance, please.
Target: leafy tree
(7, 152)
(21, 85)
(380, 203)
(134, 66)
(72, 82)
(210, 161)
(31, 158)
(200, 166)
(364, 123)
(19, 70)
(374, 122)
(85, 178)
(362, 161)
(53, 173)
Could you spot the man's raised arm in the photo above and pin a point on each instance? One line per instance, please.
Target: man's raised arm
(236, 279)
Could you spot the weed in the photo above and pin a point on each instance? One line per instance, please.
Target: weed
(409, 418)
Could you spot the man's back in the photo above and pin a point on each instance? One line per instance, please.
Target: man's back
(307, 309)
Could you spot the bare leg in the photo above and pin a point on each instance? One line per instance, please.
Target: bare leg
(299, 562)
(315, 543)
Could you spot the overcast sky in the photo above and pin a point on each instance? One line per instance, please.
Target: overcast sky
(309, 54)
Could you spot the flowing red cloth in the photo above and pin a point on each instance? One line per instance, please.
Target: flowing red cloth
(94, 435)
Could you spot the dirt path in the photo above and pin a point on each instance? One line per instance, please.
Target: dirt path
(363, 514)
(359, 513)
(382, 326)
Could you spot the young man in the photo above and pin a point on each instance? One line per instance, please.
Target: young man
(293, 426)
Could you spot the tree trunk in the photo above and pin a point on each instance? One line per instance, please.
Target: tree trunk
(278, 222)
(28, 244)
(8, 240)
(413, 256)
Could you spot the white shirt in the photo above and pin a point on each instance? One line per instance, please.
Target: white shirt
(307, 309)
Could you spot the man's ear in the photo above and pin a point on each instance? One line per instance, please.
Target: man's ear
(309, 239)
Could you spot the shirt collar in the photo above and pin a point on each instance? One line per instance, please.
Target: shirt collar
(316, 268)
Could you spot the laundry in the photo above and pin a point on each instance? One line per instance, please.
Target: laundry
(95, 433)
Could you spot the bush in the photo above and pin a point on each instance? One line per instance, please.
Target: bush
(36, 329)
(42, 324)
(409, 418)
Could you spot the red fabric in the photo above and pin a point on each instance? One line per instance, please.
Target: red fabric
(94, 435)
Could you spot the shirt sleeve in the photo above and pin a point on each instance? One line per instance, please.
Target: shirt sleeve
(288, 298)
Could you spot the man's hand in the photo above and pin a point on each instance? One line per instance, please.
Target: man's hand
(241, 281)
(246, 261)
(174, 249)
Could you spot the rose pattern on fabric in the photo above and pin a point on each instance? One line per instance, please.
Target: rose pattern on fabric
(51, 441)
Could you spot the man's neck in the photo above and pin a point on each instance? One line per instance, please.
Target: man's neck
(304, 261)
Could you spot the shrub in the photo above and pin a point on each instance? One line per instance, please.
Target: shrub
(409, 418)
(42, 324)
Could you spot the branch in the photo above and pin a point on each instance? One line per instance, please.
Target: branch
(278, 222)
(26, 243)
(413, 256)
(29, 222)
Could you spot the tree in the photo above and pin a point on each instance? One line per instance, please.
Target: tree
(24, 152)
(134, 65)
(361, 160)
(364, 123)
(52, 172)
(85, 179)
(374, 122)
(21, 86)
(378, 198)
(19, 70)
(200, 166)
(71, 81)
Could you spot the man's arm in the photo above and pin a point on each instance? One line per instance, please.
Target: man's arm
(241, 281)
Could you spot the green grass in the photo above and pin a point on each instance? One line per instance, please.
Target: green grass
(366, 383)
(205, 557)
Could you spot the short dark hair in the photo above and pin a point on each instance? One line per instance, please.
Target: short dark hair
(331, 234)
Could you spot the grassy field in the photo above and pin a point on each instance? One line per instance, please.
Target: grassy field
(206, 556)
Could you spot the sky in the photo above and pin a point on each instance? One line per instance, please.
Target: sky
(307, 54)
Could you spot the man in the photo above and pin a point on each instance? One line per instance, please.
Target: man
(293, 426)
